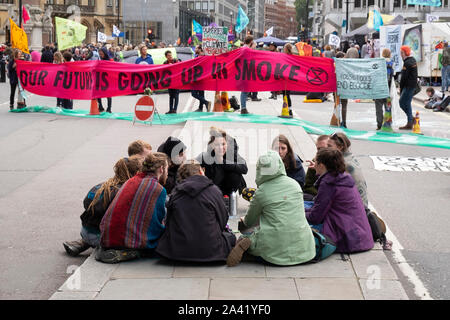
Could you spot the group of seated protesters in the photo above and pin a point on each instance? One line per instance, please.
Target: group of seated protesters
(158, 204)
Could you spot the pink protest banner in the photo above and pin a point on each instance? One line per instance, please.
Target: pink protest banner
(239, 70)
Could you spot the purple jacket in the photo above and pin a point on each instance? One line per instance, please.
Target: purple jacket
(338, 206)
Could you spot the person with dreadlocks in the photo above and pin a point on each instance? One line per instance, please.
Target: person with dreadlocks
(97, 202)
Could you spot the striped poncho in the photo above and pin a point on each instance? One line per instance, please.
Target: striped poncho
(135, 218)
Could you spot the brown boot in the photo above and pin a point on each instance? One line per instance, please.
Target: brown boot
(235, 256)
(408, 126)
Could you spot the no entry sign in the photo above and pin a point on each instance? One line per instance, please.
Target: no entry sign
(144, 108)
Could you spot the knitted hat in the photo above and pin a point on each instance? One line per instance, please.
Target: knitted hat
(170, 144)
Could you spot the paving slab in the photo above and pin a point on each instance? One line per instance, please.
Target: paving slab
(144, 268)
(155, 289)
(332, 267)
(243, 270)
(373, 264)
(382, 290)
(91, 276)
(74, 295)
(329, 289)
(253, 289)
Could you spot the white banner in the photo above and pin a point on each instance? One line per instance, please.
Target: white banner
(393, 43)
(334, 40)
(269, 32)
(396, 163)
(431, 17)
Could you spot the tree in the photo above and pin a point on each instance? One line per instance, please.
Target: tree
(300, 7)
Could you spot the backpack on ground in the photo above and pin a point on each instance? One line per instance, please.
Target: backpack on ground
(234, 103)
(325, 247)
(378, 228)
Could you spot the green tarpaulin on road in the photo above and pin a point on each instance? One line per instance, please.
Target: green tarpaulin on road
(310, 127)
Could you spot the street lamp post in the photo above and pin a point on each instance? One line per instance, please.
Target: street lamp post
(306, 20)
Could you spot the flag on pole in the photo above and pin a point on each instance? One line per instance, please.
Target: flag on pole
(19, 39)
(269, 32)
(101, 37)
(242, 20)
(69, 33)
(116, 31)
(197, 28)
(25, 15)
(377, 20)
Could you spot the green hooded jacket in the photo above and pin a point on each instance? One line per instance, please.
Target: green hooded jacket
(283, 236)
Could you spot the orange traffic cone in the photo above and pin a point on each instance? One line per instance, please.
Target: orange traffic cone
(416, 125)
(94, 108)
(217, 103)
(225, 102)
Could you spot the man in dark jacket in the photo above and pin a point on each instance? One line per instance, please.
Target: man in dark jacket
(174, 149)
(196, 222)
(47, 55)
(408, 83)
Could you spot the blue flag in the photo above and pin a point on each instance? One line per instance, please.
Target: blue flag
(242, 20)
(431, 3)
(197, 27)
(377, 20)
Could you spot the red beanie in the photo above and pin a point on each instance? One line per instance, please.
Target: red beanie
(406, 50)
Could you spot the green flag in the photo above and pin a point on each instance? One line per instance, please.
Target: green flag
(69, 33)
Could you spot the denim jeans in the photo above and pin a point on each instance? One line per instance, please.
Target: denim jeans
(445, 77)
(200, 96)
(173, 99)
(405, 102)
(244, 100)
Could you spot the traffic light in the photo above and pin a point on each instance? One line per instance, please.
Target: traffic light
(150, 34)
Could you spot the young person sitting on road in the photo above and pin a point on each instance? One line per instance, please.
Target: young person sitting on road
(96, 203)
(338, 211)
(292, 162)
(175, 150)
(139, 147)
(339, 141)
(196, 224)
(436, 100)
(134, 220)
(222, 162)
(283, 236)
(311, 176)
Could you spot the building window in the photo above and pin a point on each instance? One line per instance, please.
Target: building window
(109, 3)
(371, 3)
(46, 2)
(340, 4)
(212, 6)
(91, 3)
(335, 4)
(198, 5)
(205, 6)
(397, 3)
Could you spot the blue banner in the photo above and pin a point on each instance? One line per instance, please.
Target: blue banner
(362, 78)
(431, 3)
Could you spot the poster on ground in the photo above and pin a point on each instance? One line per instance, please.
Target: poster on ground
(215, 40)
(362, 78)
(422, 164)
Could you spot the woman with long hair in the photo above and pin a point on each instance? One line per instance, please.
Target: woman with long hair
(292, 162)
(14, 80)
(97, 202)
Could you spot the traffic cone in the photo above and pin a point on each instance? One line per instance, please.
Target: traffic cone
(387, 117)
(285, 109)
(217, 103)
(225, 102)
(416, 125)
(94, 108)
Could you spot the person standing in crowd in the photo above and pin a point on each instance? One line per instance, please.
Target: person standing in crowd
(77, 55)
(47, 55)
(145, 58)
(196, 224)
(249, 43)
(282, 235)
(292, 162)
(408, 83)
(328, 53)
(286, 93)
(380, 103)
(58, 59)
(103, 54)
(445, 61)
(175, 150)
(135, 219)
(273, 48)
(338, 211)
(173, 93)
(35, 56)
(93, 54)
(67, 103)
(97, 202)
(200, 94)
(13, 79)
(351, 54)
(367, 50)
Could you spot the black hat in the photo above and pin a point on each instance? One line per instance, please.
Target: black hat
(272, 43)
(170, 144)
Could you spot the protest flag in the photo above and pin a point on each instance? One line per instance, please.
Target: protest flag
(242, 20)
(69, 33)
(377, 20)
(196, 27)
(19, 39)
(25, 15)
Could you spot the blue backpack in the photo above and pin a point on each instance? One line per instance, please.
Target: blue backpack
(325, 247)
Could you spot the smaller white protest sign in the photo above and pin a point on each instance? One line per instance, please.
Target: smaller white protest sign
(101, 37)
(215, 40)
(334, 40)
(431, 17)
